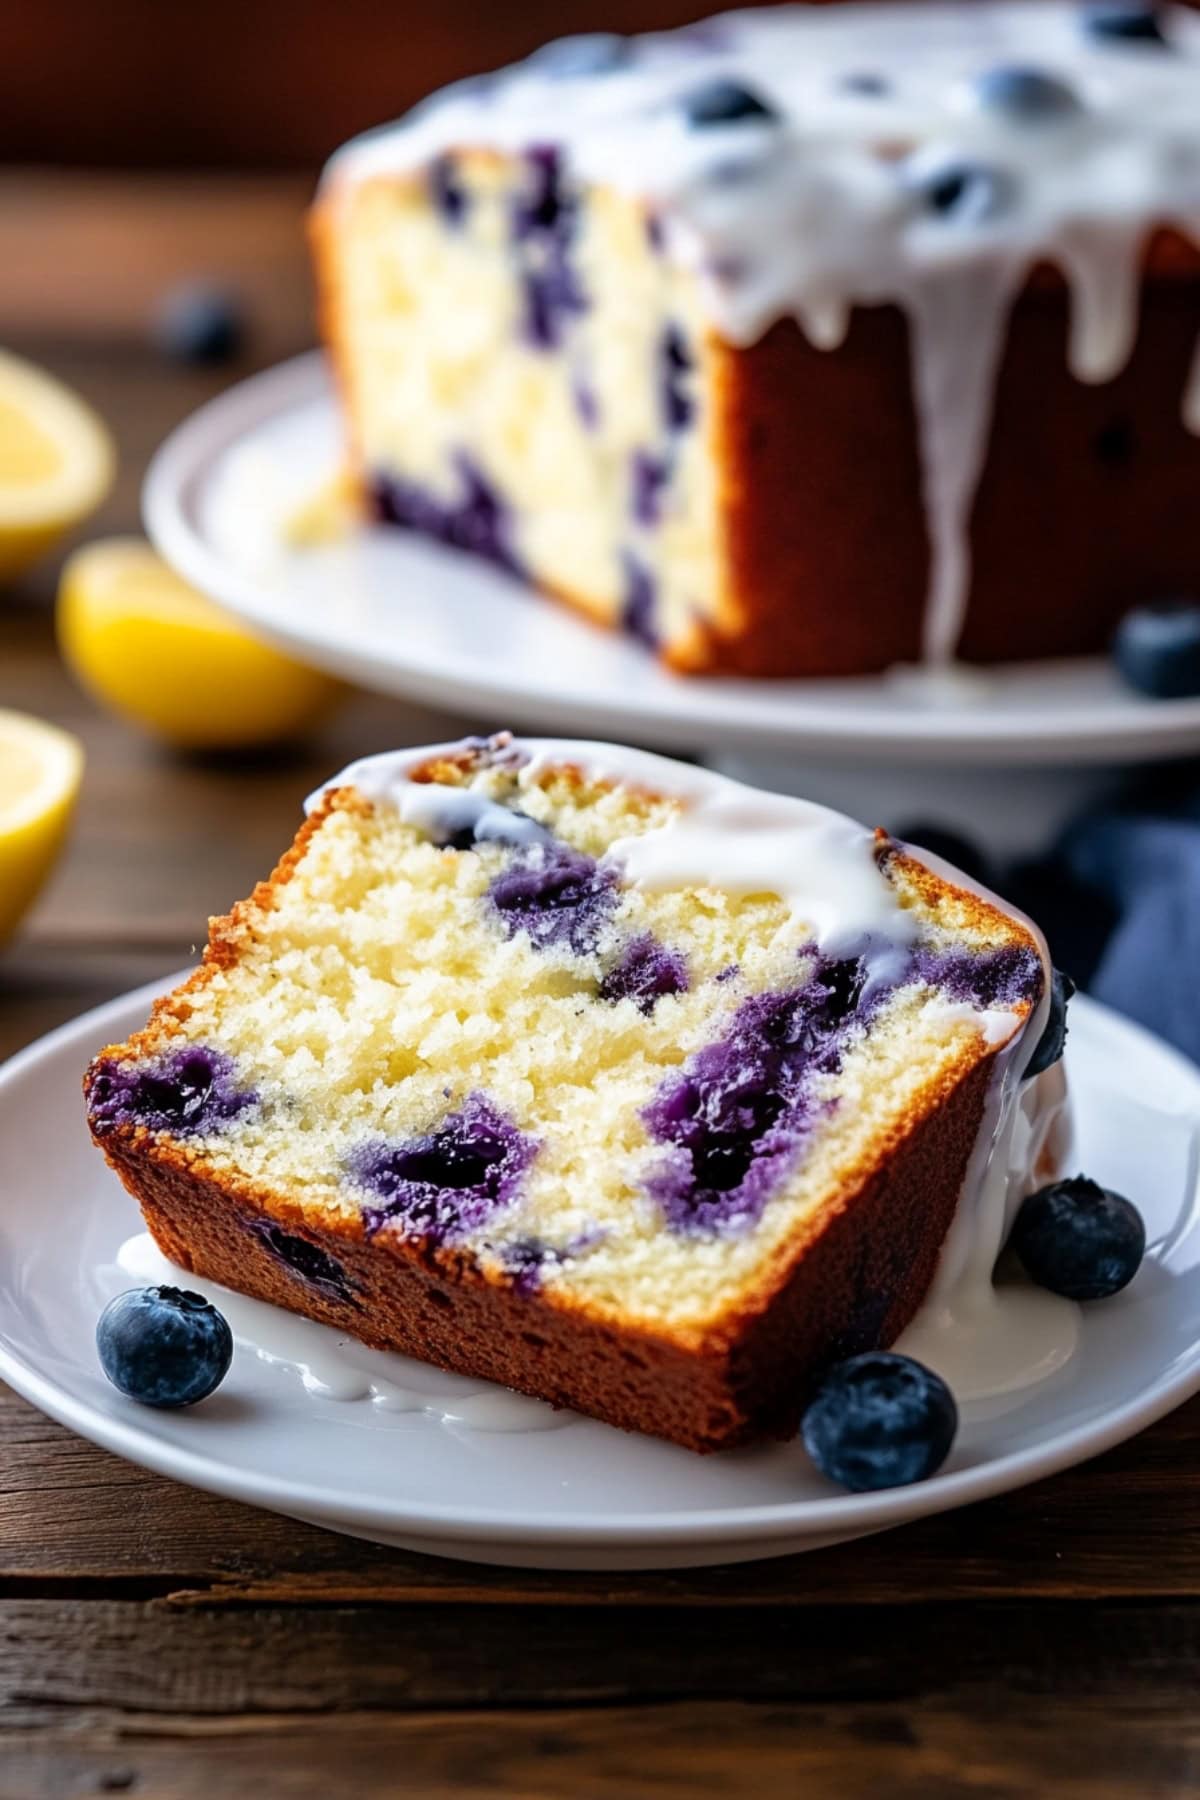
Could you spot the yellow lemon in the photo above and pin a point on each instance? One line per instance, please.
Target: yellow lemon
(56, 462)
(40, 770)
(149, 646)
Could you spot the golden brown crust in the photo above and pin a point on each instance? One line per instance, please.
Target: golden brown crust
(858, 1282)
(226, 935)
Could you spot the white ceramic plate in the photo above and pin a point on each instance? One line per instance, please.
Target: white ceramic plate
(581, 1495)
(404, 615)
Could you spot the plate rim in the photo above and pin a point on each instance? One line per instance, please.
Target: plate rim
(850, 1514)
(1139, 730)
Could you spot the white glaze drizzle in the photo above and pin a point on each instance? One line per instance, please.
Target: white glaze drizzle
(987, 1340)
(817, 213)
(990, 1339)
(1191, 397)
(331, 1369)
(728, 836)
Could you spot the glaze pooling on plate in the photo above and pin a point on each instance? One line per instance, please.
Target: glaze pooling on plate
(331, 1369)
(805, 161)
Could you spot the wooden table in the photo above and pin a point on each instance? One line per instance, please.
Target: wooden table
(158, 1641)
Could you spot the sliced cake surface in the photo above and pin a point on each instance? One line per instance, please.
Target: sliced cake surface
(582, 1070)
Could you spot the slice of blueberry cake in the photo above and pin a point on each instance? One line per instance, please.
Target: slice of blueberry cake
(807, 341)
(587, 1072)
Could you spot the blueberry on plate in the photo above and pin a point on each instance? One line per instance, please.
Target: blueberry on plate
(1124, 21)
(1053, 1040)
(879, 1420)
(164, 1346)
(725, 102)
(199, 323)
(1030, 95)
(1157, 649)
(1079, 1239)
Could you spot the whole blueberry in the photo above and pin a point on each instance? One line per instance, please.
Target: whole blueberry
(879, 1420)
(1031, 95)
(725, 102)
(1053, 1040)
(968, 192)
(164, 1346)
(1157, 649)
(199, 323)
(1079, 1239)
(1125, 21)
(588, 53)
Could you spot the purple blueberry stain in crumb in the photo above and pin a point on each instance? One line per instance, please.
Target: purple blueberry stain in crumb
(306, 1260)
(729, 974)
(477, 520)
(526, 1259)
(447, 191)
(1001, 978)
(561, 898)
(447, 1183)
(190, 1092)
(649, 477)
(638, 604)
(737, 1115)
(540, 207)
(676, 365)
(544, 220)
(645, 971)
(656, 233)
(586, 404)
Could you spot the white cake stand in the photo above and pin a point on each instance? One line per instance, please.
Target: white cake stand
(1006, 754)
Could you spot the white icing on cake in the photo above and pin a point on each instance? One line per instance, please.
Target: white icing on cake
(826, 205)
(727, 836)
(986, 1340)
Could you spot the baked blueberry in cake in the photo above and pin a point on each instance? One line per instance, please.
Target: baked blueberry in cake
(591, 1073)
(785, 359)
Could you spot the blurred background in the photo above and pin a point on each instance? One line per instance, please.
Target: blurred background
(156, 162)
(262, 84)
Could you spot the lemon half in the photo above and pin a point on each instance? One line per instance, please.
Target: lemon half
(40, 771)
(56, 462)
(146, 644)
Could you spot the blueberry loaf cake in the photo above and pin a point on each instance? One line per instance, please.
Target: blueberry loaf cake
(806, 341)
(587, 1072)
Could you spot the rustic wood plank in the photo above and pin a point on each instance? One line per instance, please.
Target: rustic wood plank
(1075, 1748)
(73, 1518)
(153, 1658)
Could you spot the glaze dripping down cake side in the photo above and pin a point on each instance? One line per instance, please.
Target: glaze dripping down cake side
(805, 342)
(582, 1071)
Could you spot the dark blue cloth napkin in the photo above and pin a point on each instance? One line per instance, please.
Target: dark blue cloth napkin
(1118, 897)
